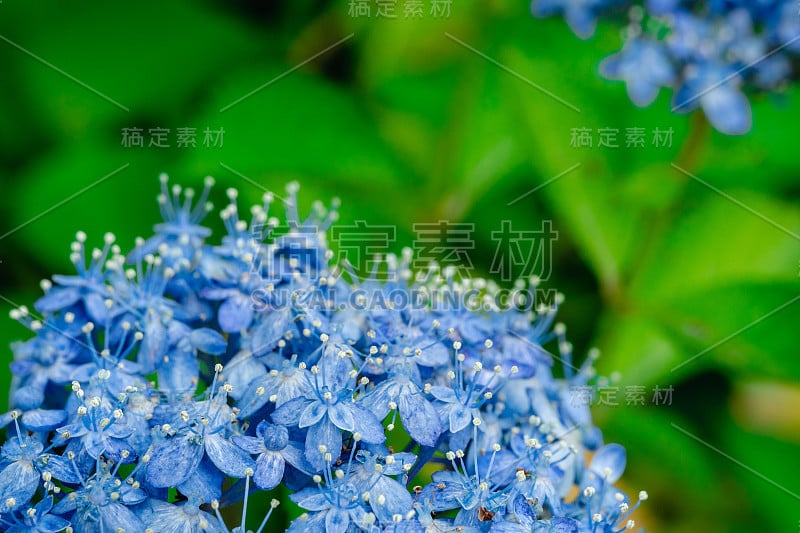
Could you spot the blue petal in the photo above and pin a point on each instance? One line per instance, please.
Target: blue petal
(19, 481)
(337, 521)
(242, 371)
(592, 437)
(269, 470)
(251, 401)
(459, 418)
(60, 467)
(178, 333)
(96, 307)
(377, 401)
(397, 499)
(62, 373)
(642, 92)
(369, 426)
(249, 444)
(205, 483)
(351, 325)
(577, 413)
(444, 394)
(728, 110)
(315, 524)
(235, 314)
(65, 505)
(44, 505)
(183, 518)
(661, 7)
(445, 491)
(51, 524)
(326, 434)
(294, 456)
(209, 341)
(523, 511)
(289, 413)
(153, 346)
(504, 466)
(217, 294)
(179, 373)
(433, 355)
(111, 448)
(44, 419)
(311, 499)
(5, 419)
(86, 523)
(132, 496)
(117, 517)
(685, 99)
(565, 525)
(419, 418)
(15, 450)
(57, 298)
(546, 8)
(228, 457)
(276, 437)
(611, 66)
(312, 414)
(150, 246)
(545, 492)
(358, 517)
(173, 461)
(69, 281)
(509, 527)
(400, 459)
(609, 462)
(269, 331)
(28, 397)
(342, 416)
(581, 20)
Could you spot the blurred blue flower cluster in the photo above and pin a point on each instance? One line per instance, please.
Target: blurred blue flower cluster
(162, 386)
(707, 52)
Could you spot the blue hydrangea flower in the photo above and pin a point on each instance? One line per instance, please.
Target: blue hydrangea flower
(102, 503)
(581, 15)
(716, 89)
(707, 52)
(201, 429)
(644, 66)
(326, 414)
(399, 393)
(186, 517)
(161, 386)
(36, 519)
(274, 450)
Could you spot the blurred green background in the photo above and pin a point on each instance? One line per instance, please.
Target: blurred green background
(440, 118)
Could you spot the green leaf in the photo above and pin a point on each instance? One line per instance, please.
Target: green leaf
(747, 328)
(768, 463)
(580, 186)
(144, 56)
(638, 347)
(298, 125)
(766, 157)
(95, 187)
(715, 242)
(484, 148)
(671, 471)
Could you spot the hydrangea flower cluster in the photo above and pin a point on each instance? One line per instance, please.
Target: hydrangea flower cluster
(707, 52)
(162, 386)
